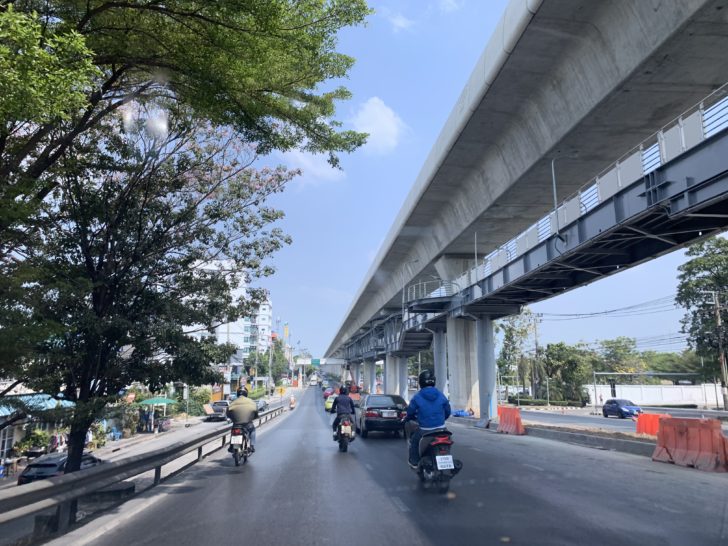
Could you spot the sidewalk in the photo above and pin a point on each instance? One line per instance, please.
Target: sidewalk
(125, 447)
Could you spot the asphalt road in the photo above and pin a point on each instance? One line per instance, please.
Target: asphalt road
(298, 489)
(570, 418)
(598, 421)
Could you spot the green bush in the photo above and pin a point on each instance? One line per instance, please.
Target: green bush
(36, 438)
(256, 393)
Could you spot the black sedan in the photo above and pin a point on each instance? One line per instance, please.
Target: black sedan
(380, 412)
(53, 464)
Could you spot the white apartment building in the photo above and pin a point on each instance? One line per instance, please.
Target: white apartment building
(248, 334)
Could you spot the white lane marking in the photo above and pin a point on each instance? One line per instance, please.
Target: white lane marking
(369, 467)
(534, 467)
(400, 504)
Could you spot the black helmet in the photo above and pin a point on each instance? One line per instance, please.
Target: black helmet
(242, 392)
(343, 390)
(427, 379)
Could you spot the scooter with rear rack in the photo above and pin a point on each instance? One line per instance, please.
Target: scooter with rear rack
(437, 466)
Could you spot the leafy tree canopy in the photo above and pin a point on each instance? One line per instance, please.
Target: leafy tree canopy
(702, 277)
(257, 67)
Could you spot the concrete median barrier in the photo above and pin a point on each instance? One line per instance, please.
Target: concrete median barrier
(509, 420)
(697, 443)
(649, 423)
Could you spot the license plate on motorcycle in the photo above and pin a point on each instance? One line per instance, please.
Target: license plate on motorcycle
(346, 429)
(444, 462)
(236, 439)
(389, 413)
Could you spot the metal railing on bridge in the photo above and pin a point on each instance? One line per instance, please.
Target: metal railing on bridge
(692, 127)
(436, 288)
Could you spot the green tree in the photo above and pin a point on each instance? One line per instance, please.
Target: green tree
(144, 241)
(423, 360)
(620, 355)
(568, 368)
(685, 362)
(511, 360)
(257, 67)
(705, 273)
(44, 78)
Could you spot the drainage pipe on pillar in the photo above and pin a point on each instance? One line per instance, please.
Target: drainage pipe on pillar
(485, 347)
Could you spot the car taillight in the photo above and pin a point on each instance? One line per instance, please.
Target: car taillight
(372, 413)
(402, 415)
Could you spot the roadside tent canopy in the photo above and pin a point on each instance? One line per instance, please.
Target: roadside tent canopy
(158, 401)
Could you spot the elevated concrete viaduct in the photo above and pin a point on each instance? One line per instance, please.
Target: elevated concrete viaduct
(573, 84)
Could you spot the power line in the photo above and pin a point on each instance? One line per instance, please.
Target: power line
(651, 307)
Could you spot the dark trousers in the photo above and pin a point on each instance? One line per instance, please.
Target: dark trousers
(414, 446)
(338, 420)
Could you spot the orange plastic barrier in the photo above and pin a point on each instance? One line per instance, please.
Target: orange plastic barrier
(509, 420)
(649, 423)
(692, 442)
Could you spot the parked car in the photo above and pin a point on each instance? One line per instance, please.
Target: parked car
(380, 412)
(220, 408)
(330, 402)
(328, 392)
(262, 405)
(621, 408)
(53, 464)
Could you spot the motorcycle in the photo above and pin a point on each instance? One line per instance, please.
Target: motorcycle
(240, 444)
(345, 432)
(437, 465)
(292, 404)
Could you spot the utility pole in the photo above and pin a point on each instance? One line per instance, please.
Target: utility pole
(536, 369)
(721, 352)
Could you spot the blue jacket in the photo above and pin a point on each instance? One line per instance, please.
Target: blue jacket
(429, 407)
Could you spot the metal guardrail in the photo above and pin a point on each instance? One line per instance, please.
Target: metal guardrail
(41, 495)
(436, 288)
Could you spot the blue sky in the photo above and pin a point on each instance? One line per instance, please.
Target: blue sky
(413, 59)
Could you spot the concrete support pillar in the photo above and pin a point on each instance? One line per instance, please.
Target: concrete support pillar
(462, 365)
(369, 379)
(471, 363)
(485, 343)
(373, 377)
(355, 373)
(390, 374)
(439, 352)
(402, 365)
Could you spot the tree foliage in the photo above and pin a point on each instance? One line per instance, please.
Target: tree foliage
(254, 66)
(515, 330)
(705, 273)
(568, 368)
(620, 355)
(144, 240)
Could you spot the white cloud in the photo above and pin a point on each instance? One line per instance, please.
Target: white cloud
(314, 167)
(448, 6)
(397, 20)
(384, 126)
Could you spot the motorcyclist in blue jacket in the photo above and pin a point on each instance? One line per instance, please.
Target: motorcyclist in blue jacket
(430, 409)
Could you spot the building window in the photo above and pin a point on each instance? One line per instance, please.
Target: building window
(6, 441)
(246, 329)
